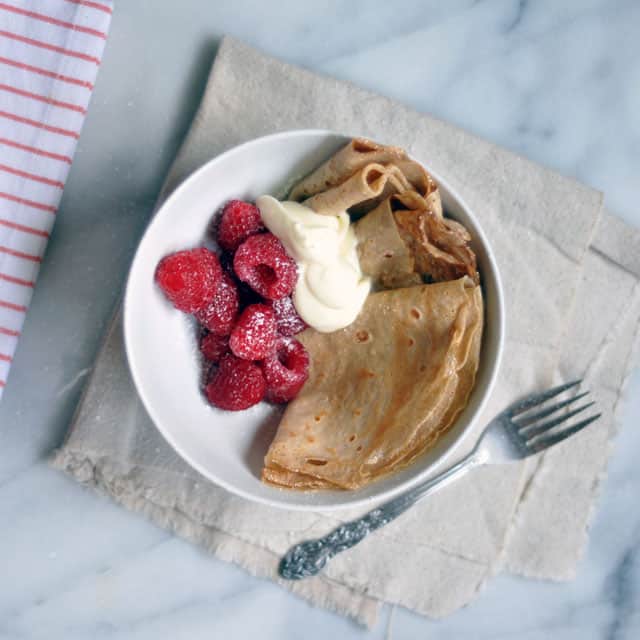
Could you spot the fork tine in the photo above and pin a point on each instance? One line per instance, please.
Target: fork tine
(539, 398)
(549, 441)
(525, 422)
(533, 431)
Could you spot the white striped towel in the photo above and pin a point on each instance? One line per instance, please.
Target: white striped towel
(50, 51)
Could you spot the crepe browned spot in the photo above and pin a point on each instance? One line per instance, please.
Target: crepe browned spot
(406, 238)
(440, 246)
(381, 390)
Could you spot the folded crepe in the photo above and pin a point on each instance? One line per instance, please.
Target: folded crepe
(360, 176)
(382, 390)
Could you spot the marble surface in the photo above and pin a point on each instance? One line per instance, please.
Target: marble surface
(557, 82)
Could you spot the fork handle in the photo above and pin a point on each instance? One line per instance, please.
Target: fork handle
(308, 558)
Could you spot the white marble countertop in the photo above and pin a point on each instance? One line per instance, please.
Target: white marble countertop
(556, 81)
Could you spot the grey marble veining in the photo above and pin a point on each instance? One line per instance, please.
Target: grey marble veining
(556, 81)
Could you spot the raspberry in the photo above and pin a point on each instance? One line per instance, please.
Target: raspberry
(236, 385)
(286, 371)
(213, 347)
(220, 315)
(255, 334)
(239, 220)
(262, 262)
(189, 278)
(287, 319)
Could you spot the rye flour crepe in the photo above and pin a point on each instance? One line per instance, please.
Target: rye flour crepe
(381, 390)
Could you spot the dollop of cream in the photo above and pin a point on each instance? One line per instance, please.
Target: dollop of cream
(331, 288)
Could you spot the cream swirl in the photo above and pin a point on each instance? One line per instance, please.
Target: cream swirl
(331, 288)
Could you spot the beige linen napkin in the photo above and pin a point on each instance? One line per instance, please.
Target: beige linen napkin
(573, 303)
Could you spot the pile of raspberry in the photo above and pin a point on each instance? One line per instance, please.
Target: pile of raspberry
(242, 302)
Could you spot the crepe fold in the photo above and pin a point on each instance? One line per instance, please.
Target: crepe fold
(440, 246)
(382, 390)
(406, 238)
(360, 176)
(366, 184)
(358, 153)
(382, 253)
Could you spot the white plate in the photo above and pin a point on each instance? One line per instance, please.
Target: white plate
(228, 447)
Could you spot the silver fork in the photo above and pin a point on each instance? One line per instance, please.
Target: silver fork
(512, 435)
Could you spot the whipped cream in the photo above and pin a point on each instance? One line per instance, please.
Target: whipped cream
(331, 288)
